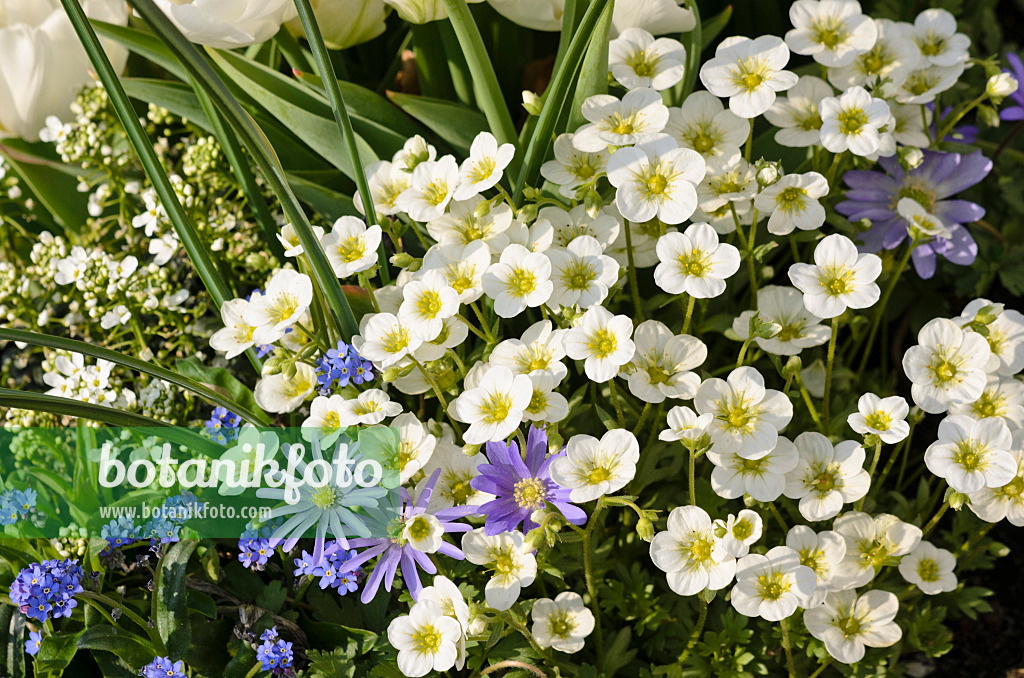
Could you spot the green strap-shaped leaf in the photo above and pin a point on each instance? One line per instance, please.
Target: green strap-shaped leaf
(456, 124)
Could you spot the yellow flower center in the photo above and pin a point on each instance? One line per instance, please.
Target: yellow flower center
(352, 249)
(529, 493)
(928, 570)
(561, 624)
(751, 73)
(427, 640)
(522, 282)
(496, 407)
(482, 170)
(791, 199)
(429, 304)
(420, 528)
(830, 32)
(773, 586)
(603, 343)
(880, 421)
(643, 64)
(851, 121)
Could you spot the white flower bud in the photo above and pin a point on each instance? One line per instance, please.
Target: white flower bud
(1002, 85)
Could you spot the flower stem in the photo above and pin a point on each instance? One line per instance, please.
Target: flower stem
(871, 471)
(788, 648)
(750, 142)
(778, 516)
(743, 352)
(588, 574)
(808, 402)
(689, 312)
(881, 307)
(817, 672)
(615, 401)
(643, 417)
(437, 392)
(633, 285)
(696, 630)
(935, 520)
(693, 477)
(825, 420)
(512, 664)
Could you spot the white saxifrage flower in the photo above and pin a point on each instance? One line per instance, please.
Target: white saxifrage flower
(484, 167)
(763, 479)
(936, 37)
(462, 225)
(947, 367)
(426, 639)
(592, 468)
(792, 202)
(280, 393)
(289, 239)
(369, 408)
(494, 408)
(739, 532)
(772, 586)
(546, 404)
(992, 504)
(541, 348)
(568, 225)
(703, 124)
(446, 594)
(846, 623)
(462, 265)
(690, 554)
(415, 445)
(783, 306)
(325, 414)
(662, 364)
(351, 247)
(971, 454)
(748, 417)
(581, 274)
(686, 426)
(227, 24)
(826, 477)
(749, 72)
(656, 178)
(797, 114)
(431, 189)
(287, 296)
(562, 623)
(1005, 336)
(840, 278)
(728, 182)
(384, 339)
(882, 417)
(920, 224)
(602, 341)
(833, 32)
(890, 60)
(695, 262)
(636, 118)
(509, 558)
(871, 544)
(637, 60)
(386, 181)
(237, 334)
(820, 551)
(853, 122)
(1003, 397)
(427, 303)
(929, 569)
(573, 167)
(520, 279)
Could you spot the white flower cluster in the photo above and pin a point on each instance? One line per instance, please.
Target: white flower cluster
(69, 377)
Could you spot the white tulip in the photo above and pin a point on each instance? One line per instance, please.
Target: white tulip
(227, 24)
(344, 23)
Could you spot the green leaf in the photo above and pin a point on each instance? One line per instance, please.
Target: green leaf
(201, 603)
(132, 649)
(606, 419)
(142, 43)
(330, 204)
(330, 664)
(56, 652)
(458, 125)
(55, 189)
(222, 381)
(170, 601)
(714, 26)
(16, 647)
(694, 46)
(593, 74)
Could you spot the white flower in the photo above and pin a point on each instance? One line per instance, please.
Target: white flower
(351, 247)
(414, 151)
(772, 586)
(929, 569)
(446, 594)
(821, 552)
(840, 278)
(924, 84)
(369, 408)
(935, 34)
(992, 504)
(727, 181)
(536, 237)
(797, 115)
(793, 203)
(119, 315)
(637, 60)
(748, 416)
(870, 544)
(421, 11)
(592, 468)
(690, 553)
(602, 341)
(540, 349)
(853, 121)
(568, 225)
(763, 479)
(286, 298)
(494, 409)
(686, 426)
(891, 58)
(47, 64)
(882, 417)
(325, 414)
(546, 404)
(695, 262)
(784, 307)
(457, 472)
(153, 217)
(432, 188)
(826, 477)
(427, 303)
(834, 32)
(971, 454)
(415, 445)
(424, 533)
(227, 24)
(947, 367)
(384, 339)
(921, 224)
(484, 167)
(519, 280)
(1001, 85)
(426, 639)
(704, 125)
(345, 23)
(739, 532)
(509, 558)
(236, 335)
(562, 623)
(655, 178)
(164, 247)
(1003, 397)
(1005, 337)
(749, 72)
(581, 274)
(289, 239)
(846, 623)
(280, 393)
(571, 166)
(387, 181)
(462, 265)
(662, 364)
(660, 17)
(635, 119)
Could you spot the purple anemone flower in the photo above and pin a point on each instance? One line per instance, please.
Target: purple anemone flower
(873, 196)
(521, 486)
(390, 518)
(1015, 112)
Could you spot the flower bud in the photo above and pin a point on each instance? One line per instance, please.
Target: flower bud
(406, 260)
(1001, 85)
(910, 157)
(956, 500)
(531, 102)
(645, 529)
(593, 203)
(988, 314)
(988, 115)
(767, 172)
